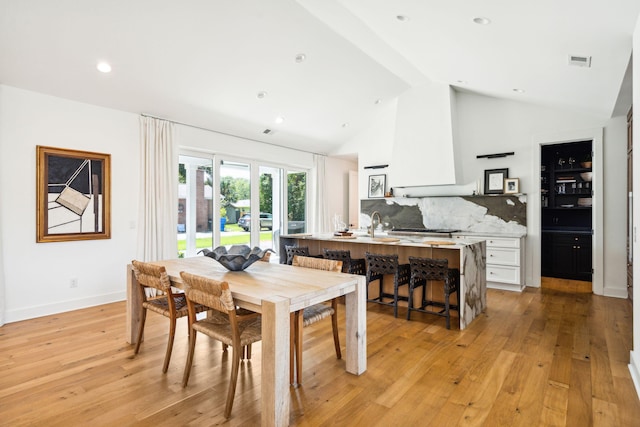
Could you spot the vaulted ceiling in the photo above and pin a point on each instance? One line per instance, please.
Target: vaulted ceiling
(323, 66)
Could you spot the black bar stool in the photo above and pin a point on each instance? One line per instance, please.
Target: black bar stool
(424, 270)
(349, 265)
(295, 250)
(377, 266)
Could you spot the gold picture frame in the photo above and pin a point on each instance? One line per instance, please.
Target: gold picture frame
(73, 195)
(511, 185)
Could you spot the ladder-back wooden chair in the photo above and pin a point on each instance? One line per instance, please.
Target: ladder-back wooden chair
(225, 325)
(167, 303)
(311, 315)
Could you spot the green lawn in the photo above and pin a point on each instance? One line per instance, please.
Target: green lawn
(240, 239)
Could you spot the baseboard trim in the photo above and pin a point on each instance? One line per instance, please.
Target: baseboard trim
(62, 306)
(616, 292)
(505, 287)
(635, 373)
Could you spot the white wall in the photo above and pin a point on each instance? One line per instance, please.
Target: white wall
(38, 274)
(374, 145)
(489, 125)
(615, 205)
(634, 365)
(337, 176)
(485, 125)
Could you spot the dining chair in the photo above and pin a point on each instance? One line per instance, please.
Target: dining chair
(310, 315)
(224, 324)
(349, 265)
(167, 303)
(379, 265)
(424, 270)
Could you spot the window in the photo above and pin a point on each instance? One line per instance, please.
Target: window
(249, 205)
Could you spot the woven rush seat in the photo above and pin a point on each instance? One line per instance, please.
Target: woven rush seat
(316, 312)
(169, 304)
(349, 265)
(160, 305)
(425, 270)
(379, 265)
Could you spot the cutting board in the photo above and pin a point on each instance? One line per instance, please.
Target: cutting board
(438, 242)
(386, 239)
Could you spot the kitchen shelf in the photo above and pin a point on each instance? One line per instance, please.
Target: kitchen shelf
(566, 230)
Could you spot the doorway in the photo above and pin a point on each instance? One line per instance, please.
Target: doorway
(566, 210)
(534, 242)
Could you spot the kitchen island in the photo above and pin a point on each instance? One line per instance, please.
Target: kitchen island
(469, 256)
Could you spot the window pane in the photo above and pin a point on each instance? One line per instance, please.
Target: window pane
(296, 202)
(270, 215)
(235, 200)
(195, 205)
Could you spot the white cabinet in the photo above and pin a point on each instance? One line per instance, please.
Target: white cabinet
(505, 261)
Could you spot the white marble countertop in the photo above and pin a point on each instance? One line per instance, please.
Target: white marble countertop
(383, 239)
(480, 234)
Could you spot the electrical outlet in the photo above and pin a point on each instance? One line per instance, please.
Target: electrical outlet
(73, 283)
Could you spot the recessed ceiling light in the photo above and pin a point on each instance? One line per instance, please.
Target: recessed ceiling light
(345, 125)
(518, 90)
(377, 101)
(262, 94)
(301, 57)
(103, 67)
(402, 18)
(279, 119)
(482, 20)
(462, 82)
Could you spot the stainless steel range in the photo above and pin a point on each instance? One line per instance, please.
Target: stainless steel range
(440, 232)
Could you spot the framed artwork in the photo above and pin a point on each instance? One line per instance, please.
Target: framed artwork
(73, 195)
(377, 185)
(511, 185)
(494, 180)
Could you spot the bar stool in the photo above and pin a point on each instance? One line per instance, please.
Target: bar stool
(377, 266)
(295, 250)
(349, 265)
(424, 270)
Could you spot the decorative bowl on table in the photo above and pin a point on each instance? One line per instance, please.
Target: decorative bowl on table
(238, 257)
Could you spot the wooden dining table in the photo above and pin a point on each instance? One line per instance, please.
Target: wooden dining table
(275, 291)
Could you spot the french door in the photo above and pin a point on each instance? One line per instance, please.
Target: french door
(226, 201)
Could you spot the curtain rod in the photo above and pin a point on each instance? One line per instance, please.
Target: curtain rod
(230, 134)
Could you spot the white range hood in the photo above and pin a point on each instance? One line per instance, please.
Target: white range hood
(423, 148)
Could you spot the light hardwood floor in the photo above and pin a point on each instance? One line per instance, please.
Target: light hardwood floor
(544, 357)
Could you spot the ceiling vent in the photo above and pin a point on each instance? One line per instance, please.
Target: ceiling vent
(267, 131)
(580, 61)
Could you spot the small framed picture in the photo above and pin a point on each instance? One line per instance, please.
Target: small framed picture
(377, 185)
(494, 180)
(511, 185)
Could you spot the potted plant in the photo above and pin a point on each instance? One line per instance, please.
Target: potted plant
(586, 160)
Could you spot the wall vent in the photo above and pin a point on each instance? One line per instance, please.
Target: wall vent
(580, 61)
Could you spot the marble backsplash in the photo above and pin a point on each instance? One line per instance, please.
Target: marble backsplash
(486, 214)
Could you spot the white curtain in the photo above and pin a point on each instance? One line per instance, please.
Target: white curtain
(319, 207)
(158, 212)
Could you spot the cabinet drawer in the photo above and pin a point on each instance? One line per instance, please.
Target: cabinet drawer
(502, 242)
(504, 274)
(503, 256)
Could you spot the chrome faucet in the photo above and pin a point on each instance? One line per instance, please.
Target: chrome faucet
(372, 225)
